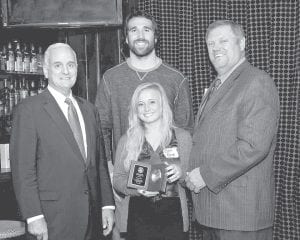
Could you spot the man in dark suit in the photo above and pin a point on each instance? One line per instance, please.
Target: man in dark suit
(61, 180)
(231, 162)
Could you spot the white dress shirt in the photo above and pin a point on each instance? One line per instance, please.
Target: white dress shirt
(60, 99)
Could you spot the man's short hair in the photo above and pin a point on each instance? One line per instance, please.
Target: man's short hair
(53, 46)
(142, 14)
(237, 29)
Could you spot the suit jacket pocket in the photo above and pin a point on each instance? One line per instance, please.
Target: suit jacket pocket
(52, 209)
(49, 195)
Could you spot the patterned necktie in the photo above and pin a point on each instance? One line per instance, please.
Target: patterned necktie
(75, 126)
(213, 89)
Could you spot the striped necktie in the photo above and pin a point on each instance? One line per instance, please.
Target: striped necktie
(75, 126)
(215, 87)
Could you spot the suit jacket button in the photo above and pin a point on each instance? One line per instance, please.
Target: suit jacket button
(86, 192)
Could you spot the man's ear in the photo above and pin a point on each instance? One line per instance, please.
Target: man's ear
(243, 44)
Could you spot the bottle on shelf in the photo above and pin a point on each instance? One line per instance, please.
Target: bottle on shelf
(6, 119)
(41, 85)
(40, 60)
(32, 88)
(45, 82)
(33, 59)
(5, 91)
(1, 114)
(17, 91)
(7, 106)
(24, 91)
(10, 65)
(3, 58)
(11, 96)
(26, 59)
(18, 57)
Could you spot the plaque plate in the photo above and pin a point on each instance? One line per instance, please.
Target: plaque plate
(147, 177)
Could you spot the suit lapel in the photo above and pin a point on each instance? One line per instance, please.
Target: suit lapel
(203, 104)
(61, 122)
(224, 88)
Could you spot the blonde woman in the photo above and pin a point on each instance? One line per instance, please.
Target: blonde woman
(150, 138)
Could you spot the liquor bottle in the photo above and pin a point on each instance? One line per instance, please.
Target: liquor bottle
(5, 90)
(17, 91)
(26, 59)
(32, 88)
(18, 57)
(41, 85)
(8, 108)
(6, 117)
(40, 60)
(24, 92)
(3, 58)
(33, 59)
(11, 96)
(5, 100)
(1, 114)
(10, 66)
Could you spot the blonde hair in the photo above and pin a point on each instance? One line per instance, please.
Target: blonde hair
(136, 130)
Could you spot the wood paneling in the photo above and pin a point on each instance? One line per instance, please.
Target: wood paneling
(97, 50)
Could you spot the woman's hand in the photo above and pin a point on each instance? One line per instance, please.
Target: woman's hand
(147, 193)
(173, 172)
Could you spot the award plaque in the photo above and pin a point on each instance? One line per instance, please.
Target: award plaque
(147, 177)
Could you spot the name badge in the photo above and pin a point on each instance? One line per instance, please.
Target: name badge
(171, 152)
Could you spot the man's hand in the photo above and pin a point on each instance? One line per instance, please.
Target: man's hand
(194, 180)
(108, 220)
(39, 229)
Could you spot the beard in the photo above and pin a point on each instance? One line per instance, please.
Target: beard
(141, 52)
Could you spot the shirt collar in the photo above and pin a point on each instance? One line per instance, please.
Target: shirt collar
(157, 65)
(59, 97)
(225, 76)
